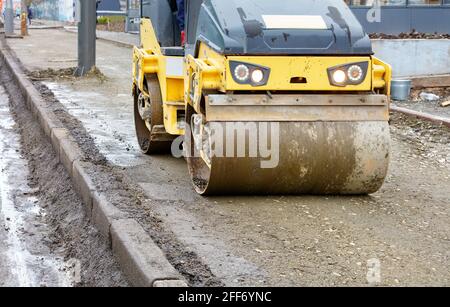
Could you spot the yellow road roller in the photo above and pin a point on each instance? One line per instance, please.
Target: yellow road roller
(263, 97)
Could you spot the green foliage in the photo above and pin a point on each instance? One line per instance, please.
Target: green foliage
(102, 20)
(116, 19)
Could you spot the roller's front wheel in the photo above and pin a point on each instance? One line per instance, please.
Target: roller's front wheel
(148, 118)
(319, 158)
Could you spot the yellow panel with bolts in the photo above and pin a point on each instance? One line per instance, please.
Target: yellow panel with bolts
(217, 60)
(382, 76)
(171, 119)
(312, 70)
(173, 104)
(175, 91)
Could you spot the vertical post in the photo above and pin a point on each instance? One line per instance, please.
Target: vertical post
(127, 18)
(23, 18)
(86, 37)
(9, 17)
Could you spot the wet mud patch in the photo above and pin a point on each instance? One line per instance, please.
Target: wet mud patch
(71, 231)
(75, 127)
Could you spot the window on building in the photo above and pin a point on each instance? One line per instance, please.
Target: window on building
(398, 2)
(424, 2)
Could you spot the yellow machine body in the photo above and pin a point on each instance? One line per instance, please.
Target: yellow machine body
(212, 73)
(297, 94)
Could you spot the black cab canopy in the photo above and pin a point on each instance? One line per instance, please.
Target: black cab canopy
(268, 27)
(281, 27)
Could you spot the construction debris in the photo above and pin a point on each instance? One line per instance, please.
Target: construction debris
(410, 35)
(52, 74)
(445, 103)
(64, 73)
(443, 92)
(429, 96)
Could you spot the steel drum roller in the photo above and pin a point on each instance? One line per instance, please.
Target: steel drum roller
(314, 158)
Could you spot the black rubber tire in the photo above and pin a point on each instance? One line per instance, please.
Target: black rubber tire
(143, 134)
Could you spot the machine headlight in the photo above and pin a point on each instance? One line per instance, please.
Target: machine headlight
(350, 74)
(355, 73)
(241, 72)
(257, 76)
(245, 73)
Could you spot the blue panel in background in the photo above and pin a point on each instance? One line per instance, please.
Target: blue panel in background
(395, 20)
(109, 5)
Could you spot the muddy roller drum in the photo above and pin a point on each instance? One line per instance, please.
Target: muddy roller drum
(314, 158)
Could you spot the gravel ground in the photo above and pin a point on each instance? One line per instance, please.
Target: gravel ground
(304, 240)
(277, 241)
(428, 140)
(430, 107)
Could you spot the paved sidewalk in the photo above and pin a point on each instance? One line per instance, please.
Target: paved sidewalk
(128, 39)
(37, 24)
(87, 98)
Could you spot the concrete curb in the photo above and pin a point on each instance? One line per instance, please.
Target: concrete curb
(83, 184)
(45, 27)
(425, 116)
(104, 214)
(142, 261)
(114, 41)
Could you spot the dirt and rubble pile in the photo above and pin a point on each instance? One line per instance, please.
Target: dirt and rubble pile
(410, 35)
(64, 73)
(442, 92)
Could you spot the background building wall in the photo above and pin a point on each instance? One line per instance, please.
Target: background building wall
(398, 16)
(414, 57)
(64, 10)
(109, 5)
(16, 5)
(395, 20)
(61, 10)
